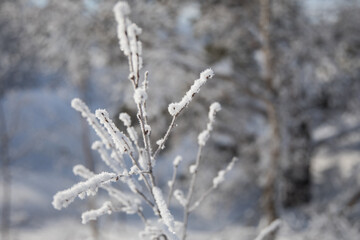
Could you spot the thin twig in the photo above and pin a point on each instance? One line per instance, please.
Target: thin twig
(202, 198)
(172, 184)
(141, 215)
(165, 136)
(190, 193)
(146, 143)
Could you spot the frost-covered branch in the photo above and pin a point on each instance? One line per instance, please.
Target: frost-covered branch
(106, 208)
(115, 147)
(80, 106)
(202, 139)
(176, 108)
(121, 141)
(129, 203)
(164, 211)
(269, 229)
(89, 187)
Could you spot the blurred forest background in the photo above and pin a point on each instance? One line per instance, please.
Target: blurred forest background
(287, 76)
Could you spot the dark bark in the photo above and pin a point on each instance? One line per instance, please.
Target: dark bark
(297, 182)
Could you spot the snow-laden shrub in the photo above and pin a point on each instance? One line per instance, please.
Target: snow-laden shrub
(131, 157)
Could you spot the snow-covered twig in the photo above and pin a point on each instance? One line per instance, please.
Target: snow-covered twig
(106, 208)
(80, 106)
(122, 142)
(164, 211)
(176, 108)
(216, 181)
(202, 139)
(64, 198)
(269, 229)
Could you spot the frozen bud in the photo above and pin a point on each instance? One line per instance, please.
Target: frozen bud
(125, 118)
(192, 168)
(140, 96)
(206, 74)
(121, 9)
(177, 161)
(214, 108)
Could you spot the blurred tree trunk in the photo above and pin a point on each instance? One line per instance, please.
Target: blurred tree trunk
(269, 191)
(6, 177)
(296, 177)
(296, 185)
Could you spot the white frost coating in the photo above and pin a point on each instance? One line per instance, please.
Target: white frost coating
(160, 141)
(129, 204)
(112, 163)
(221, 174)
(134, 170)
(106, 208)
(133, 32)
(132, 134)
(177, 161)
(192, 168)
(81, 107)
(269, 229)
(219, 178)
(64, 198)
(179, 195)
(142, 160)
(121, 141)
(140, 54)
(204, 135)
(175, 108)
(80, 170)
(214, 108)
(140, 96)
(125, 118)
(164, 211)
(121, 11)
